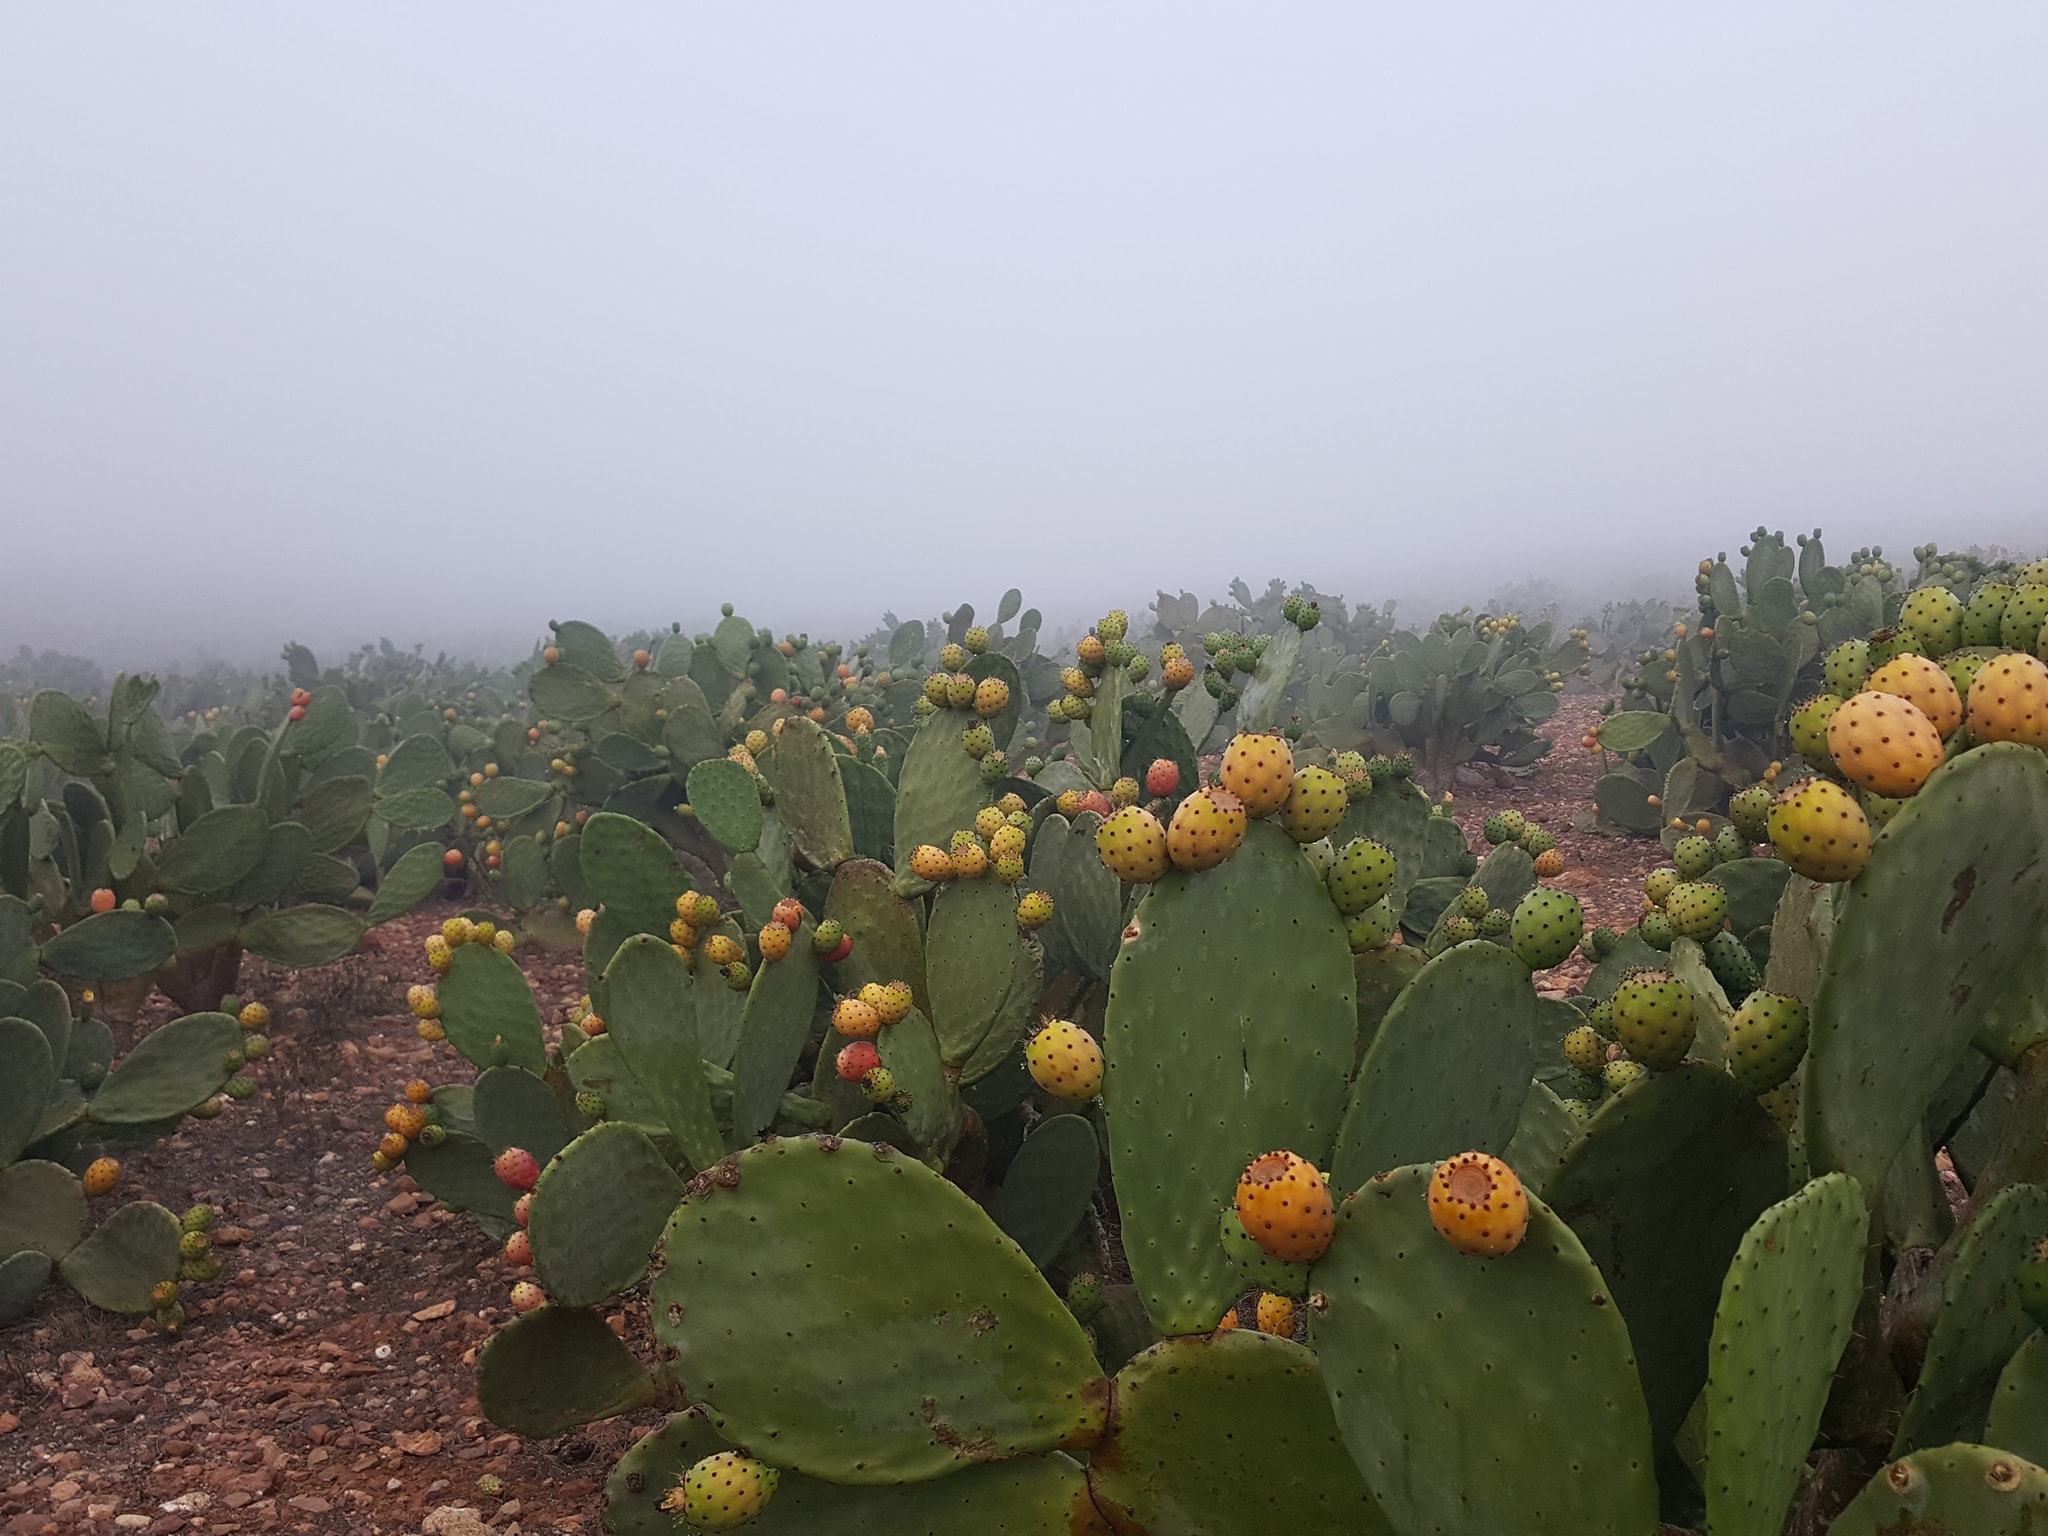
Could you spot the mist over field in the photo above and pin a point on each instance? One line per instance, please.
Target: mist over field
(439, 322)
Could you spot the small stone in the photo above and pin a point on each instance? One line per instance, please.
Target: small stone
(435, 1313)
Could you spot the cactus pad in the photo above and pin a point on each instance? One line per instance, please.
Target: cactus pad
(22, 1276)
(1563, 1441)
(111, 946)
(651, 1002)
(1231, 1023)
(809, 797)
(488, 1009)
(884, 1275)
(2019, 1409)
(1787, 1304)
(554, 1369)
(25, 1086)
(776, 1025)
(42, 1209)
(726, 803)
(598, 1211)
(984, 976)
(1049, 1184)
(171, 1070)
(127, 1256)
(1958, 1490)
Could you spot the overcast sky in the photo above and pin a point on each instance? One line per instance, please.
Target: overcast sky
(440, 320)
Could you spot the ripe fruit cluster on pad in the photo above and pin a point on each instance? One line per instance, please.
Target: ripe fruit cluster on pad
(1285, 1204)
(1477, 1205)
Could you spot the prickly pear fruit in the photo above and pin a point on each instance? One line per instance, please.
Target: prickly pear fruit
(1373, 927)
(1766, 1039)
(1285, 1205)
(1619, 1075)
(1934, 615)
(1654, 1018)
(519, 1248)
(1808, 727)
(856, 1060)
(1162, 778)
(2009, 701)
(893, 1005)
(789, 913)
(991, 697)
(1504, 827)
(1206, 829)
(1084, 1296)
(1925, 686)
(2025, 612)
(931, 863)
(1256, 1266)
(1883, 743)
(879, 1085)
(1473, 901)
(1819, 829)
(1259, 769)
(1655, 929)
(1496, 922)
(1584, 1048)
(1696, 908)
(1315, 804)
(855, 1019)
(1549, 864)
(1732, 964)
(516, 1168)
(1065, 1061)
(1034, 910)
(1133, 845)
(722, 1492)
(1361, 874)
(1659, 883)
(723, 949)
(1846, 666)
(1730, 845)
(774, 941)
(1750, 810)
(1693, 856)
(528, 1297)
(101, 1175)
(1477, 1205)
(1545, 928)
(1276, 1315)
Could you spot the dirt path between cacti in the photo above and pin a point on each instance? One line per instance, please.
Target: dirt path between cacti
(324, 1383)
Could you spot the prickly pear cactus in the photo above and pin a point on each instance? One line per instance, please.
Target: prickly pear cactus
(1230, 1028)
(861, 1245)
(1562, 1440)
(1787, 1303)
(1947, 1492)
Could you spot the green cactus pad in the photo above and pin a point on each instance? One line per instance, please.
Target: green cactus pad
(781, 1002)
(632, 872)
(596, 1067)
(515, 1108)
(1088, 901)
(961, 1354)
(1230, 1027)
(1424, 846)
(303, 936)
(888, 941)
(1980, 1324)
(726, 803)
(1049, 1185)
(171, 1070)
(1413, 1328)
(984, 976)
(22, 1277)
(1787, 1304)
(287, 849)
(1958, 1490)
(1661, 1189)
(910, 1050)
(556, 1368)
(484, 1001)
(586, 646)
(214, 852)
(1030, 1496)
(26, 1084)
(809, 797)
(111, 946)
(42, 1208)
(411, 880)
(598, 1211)
(71, 737)
(1448, 1070)
(569, 694)
(1229, 1436)
(416, 810)
(2019, 1408)
(651, 1002)
(126, 1257)
(1962, 871)
(335, 811)
(1754, 888)
(938, 788)
(1544, 1131)
(458, 1173)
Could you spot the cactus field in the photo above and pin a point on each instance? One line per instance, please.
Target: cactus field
(1226, 1067)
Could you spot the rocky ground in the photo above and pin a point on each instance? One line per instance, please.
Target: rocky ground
(324, 1383)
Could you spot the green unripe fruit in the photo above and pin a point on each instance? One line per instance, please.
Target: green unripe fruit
(935, 687)
(1362, 873)
(1504, 827)
(977, 740)
(1750, 810)
(1536, 841)
(826, 936)
(590, 1105)
(1547, 924)
(1601, 1017)
(1473, 901)
(1732, 964)
(1659, 883)
(197, 1219)
(1584, 1048)
(1459, 929)
(1935, 617)
(2020, 628)
(952, 656)
(1847, 665)
(1617, 1076)
(1766, 1039)
(255, 1047)
(1696, 909)
(1654, 1018)
(1084, 1297)
(240, 1088)
(976, 640)
(1603, 941)
(1496, 922)
(1730, 846)
(194, 1245)
(1373, 927)
(1808, 728)
(1984, 614)
(433, 1135)
(994, 765)
(879, 1084)
(1655, 930)
(1693, 856)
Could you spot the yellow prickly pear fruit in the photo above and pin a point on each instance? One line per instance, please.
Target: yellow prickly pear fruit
(1227, 1323)
(1034, 910)
(756, 742)
(895, 1003)
(1124, 791)
(1132, 844)
(438, 953)
(991, 697)
(423, 1000)
(988, 821)
(1276, 1315)
(1285, 1205)
(1881, 742)
(1315, 804)
(960, 690)
(1477, 1205)
(253, 1016)
(1065, 1061)
(1259, 770)
(101, 1175)
(1925, 686)
(970, 860)
(723, 949)
(1206, 829)
(856, 1019)
(1006, 842)
(1069, 803)
(774, 941)
(1820, 830)
(2009, 701)
(722, 1492)
(1177, 673)
(860, 720)
(1808, 726)
(1550, 863)
(931, 863)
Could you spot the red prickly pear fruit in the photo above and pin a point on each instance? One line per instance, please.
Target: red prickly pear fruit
(857, 1059)
(1095, 800)
(519, 1249)
(522, 1209)
(526, 1296)
(790, 913)
(1162, 778)
(841, 951)
(516, 1169)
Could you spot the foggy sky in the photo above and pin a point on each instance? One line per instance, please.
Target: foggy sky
(441, 320)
